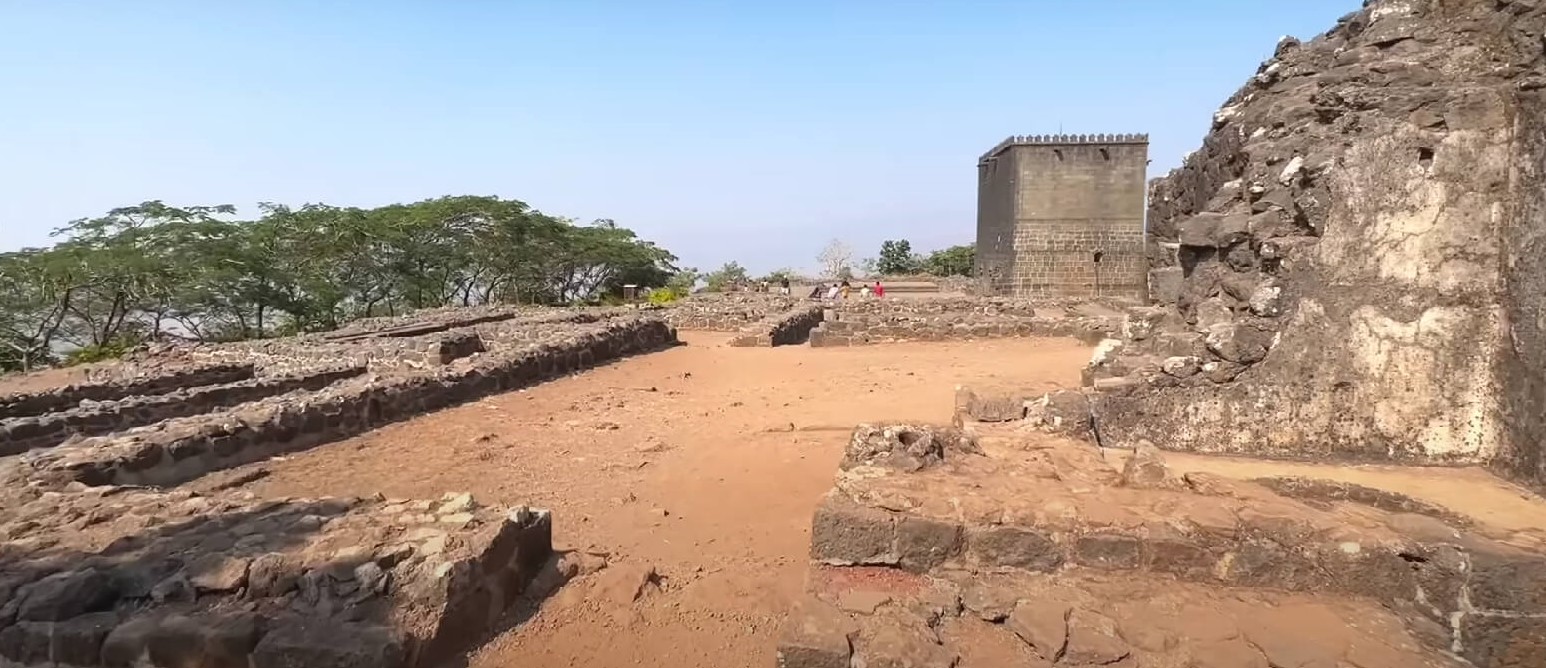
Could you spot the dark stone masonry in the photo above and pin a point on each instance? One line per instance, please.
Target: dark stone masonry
(1019, 536)
(102, 565)
(1062, 216)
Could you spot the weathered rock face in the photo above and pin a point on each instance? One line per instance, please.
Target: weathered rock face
(1358, 242)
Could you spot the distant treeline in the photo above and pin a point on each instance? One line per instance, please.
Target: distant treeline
(151, 270)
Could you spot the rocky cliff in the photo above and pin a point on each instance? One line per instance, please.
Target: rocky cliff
(1355, 259)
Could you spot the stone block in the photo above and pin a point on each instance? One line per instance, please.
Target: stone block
(1183, 557)
(1107, 551)
(923, 543)
(990, 406)
(901, 641)
(846, 533)
(816, 635)
(1014, 547)
(329, 644)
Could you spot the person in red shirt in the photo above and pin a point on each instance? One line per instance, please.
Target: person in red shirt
(880, 291)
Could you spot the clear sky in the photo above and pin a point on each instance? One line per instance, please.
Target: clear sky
(731, 130)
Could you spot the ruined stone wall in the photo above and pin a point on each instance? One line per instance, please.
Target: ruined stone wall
(865, 322)
(20, 434)
(127, 383)
(185, 448)
(1342, 243)
(729, 312)
(1074, 207)
(789, 327)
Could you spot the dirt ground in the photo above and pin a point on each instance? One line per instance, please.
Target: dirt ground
(703, 463)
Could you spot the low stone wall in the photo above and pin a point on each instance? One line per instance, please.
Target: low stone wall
(158, 381)
(438, 343)
(845, 328)
(185, 448)
(947, 306)
(226, 581)
(927, 499)
(730, 312)
(94, 418)
(788, 328)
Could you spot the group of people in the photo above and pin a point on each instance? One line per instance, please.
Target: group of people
(845, 290)
(764, 286)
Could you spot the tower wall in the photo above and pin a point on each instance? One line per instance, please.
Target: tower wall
(1062, 216)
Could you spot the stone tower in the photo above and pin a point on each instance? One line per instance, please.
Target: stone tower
(1062, 216)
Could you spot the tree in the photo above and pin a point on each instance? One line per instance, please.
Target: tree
(952, 261)
(836, 260)
(726, 277)
(896, 257)
(155, 270)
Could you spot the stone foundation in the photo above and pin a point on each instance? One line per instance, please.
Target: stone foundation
(185, 448)
(45, 431)
(729, 312)
(997, 505)
(115, 577)
(131, 382)
(786, 328)
(871, 321)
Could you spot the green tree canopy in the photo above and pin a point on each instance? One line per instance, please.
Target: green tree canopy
(726, 277)
(154, 270)
(896, 257)
(952, 261)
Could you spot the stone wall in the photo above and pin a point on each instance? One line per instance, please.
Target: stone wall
(184, 579)
(728, 312)
(865, 322)
(95, 418)
(1062, 216)
(185, 448)
(430, 344)
(128, 383)
(1344, 243)
(789, 327)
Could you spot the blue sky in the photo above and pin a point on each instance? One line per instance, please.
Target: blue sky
(748, 131)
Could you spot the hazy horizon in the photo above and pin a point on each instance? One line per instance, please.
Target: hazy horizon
(753, 134)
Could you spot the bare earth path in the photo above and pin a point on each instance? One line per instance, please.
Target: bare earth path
(704, 462)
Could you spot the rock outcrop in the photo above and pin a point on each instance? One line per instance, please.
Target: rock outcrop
(1357, 252)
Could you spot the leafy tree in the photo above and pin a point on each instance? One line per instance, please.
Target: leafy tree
(154, 270)
(896, 257)
(682, 282)
(952, 261)
(726, 277)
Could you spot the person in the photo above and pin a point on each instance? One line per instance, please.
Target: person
(880, 290)
(832, 291)
(846, 288)
(817, 291)
(764, 287)
(783, 286)
(864, 291)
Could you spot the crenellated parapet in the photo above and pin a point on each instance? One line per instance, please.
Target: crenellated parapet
(1067, 140)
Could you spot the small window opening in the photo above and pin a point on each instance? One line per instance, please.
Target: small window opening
(1105, 154)
(1096, 256)
(1058, 152)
